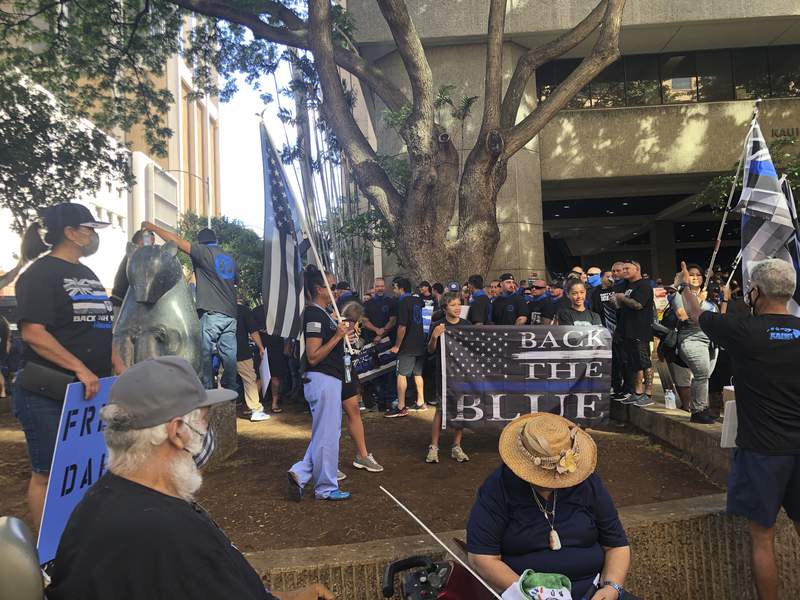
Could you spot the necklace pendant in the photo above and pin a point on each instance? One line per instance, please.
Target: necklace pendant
(555, 541)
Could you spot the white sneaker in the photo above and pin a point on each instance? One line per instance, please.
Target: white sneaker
(433, 455)
(340, 475)
(458, 454)
(259, 415)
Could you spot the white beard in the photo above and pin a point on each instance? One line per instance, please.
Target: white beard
(186, 477)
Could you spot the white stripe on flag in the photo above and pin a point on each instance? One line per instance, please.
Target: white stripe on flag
(291, 300)
(275, 264)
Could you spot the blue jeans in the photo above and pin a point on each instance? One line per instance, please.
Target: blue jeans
(219, 329)
(39, 417)
(321, 460)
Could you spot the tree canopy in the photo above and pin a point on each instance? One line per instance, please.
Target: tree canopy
(103, 59)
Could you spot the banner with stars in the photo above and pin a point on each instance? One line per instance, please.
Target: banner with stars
(494, 374)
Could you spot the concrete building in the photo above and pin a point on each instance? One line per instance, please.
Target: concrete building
(187, 179)
(615, 173)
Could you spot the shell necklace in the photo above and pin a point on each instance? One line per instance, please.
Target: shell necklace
(555, 541)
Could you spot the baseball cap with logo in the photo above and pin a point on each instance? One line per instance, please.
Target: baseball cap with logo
(157, 390)
(453, 286)
(506, 277)
(69, 214)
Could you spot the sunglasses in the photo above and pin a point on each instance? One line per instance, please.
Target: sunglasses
(539, 287)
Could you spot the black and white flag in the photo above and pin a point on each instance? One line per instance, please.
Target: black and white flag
(282, 279)
(494, 374)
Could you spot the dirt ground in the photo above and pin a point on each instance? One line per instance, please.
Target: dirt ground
(247, 495)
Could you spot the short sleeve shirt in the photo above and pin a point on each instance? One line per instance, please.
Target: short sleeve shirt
(541, 308)
(506, 521)
(765, 354)
(579, 318)
(409, 314)
(245, 325)
(507, 308)
(378, 310)
(216, 276)
(317, 323)
(479, 308)
(73, 305)
(437, 353)
(130, 542)
(636, 324)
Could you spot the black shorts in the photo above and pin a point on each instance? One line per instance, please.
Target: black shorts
(759, 484)
(278, 362)
(636, 355)
(350, 389)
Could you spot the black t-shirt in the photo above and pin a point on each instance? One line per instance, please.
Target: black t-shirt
(479, 308)
(129, 542)
(317, 323)
(579, 318)
(73, 306)
(765, 354)
(507, 307)
(541, 308)
(120, 283)
(409, 313)
(602, 303)
(636, 324)
(215, 272)
(245, 325)
(437, 352)
(378, 310)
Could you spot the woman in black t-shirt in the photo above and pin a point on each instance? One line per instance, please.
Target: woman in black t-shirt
(325, 372)
(65, 318)
(576, 313)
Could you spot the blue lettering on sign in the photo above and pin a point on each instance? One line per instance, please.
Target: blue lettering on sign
(417, 314)
(226, 268)
(783, 333)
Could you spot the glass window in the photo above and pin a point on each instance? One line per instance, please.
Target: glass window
(643, 88)
(784, 63)
(751, 73)
(608, 88)
(545, 80)
(714, 75)
(563, 68)
(678, 78)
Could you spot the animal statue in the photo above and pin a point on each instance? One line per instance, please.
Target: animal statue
(158, 315)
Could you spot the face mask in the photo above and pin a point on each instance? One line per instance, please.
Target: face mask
(594, 280)
(202, 457)
(92, 246)
(750, 302)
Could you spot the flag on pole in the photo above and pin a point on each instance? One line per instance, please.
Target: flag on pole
(793, 245)
(282, 281)
(768, 229)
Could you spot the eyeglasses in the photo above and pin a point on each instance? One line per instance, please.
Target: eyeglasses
(539, 287)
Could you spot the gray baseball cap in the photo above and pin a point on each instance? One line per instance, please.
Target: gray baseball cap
(157, 390)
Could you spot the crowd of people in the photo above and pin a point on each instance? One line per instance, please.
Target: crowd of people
(158, 434)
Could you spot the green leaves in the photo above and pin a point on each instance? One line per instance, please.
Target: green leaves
(464, 108)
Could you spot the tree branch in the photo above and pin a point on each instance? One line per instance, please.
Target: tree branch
(418, 130)
(372, 179)
(296, 36)
(533, 59)
(604, 53)
(493, 83)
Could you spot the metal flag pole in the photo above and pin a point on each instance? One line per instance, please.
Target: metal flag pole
(733, 268)
(718, 243)
(304, 230)
(441, 543)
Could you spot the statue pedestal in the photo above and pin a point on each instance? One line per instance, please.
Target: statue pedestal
(222, 417)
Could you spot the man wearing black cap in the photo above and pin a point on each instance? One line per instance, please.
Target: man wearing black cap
(479, 304)
(138, 534)
(216, 276)
(509, 308)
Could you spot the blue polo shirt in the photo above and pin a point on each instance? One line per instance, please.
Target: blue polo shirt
(506, 521)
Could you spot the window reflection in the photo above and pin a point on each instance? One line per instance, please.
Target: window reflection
(678, 78)
(751, 72)
(608, 88)
(643, 86)
(714, 75)
(784, 64)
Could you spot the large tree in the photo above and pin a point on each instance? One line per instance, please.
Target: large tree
(102, 58)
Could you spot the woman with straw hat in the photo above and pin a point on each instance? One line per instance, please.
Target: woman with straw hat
(545, 509)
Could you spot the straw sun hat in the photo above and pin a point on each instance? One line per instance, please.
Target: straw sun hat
(548, 451)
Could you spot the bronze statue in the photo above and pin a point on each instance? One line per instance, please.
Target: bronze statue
(158, 315)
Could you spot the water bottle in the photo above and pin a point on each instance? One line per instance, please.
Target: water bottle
(347, 363)
(148, 238)
(669, 399)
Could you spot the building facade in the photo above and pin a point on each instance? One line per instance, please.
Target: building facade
(187, 179)
(617, 172)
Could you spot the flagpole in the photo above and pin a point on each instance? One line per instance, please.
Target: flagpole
(733, 268)
(718, 243)
(304, 230)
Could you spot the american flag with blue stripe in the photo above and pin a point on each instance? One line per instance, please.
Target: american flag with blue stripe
(282, 280)
(768, 221)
